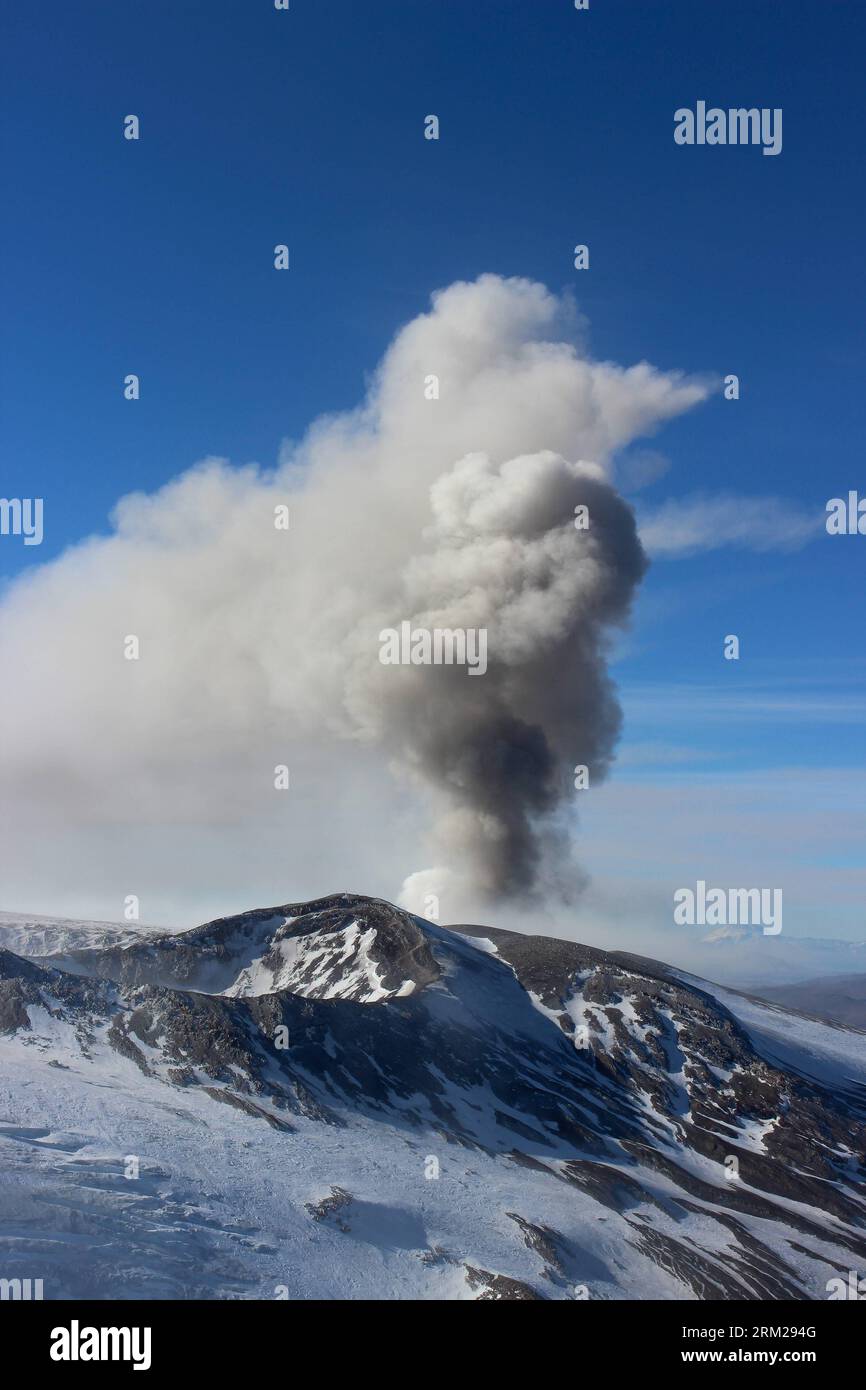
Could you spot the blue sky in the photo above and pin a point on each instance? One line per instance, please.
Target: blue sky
(305, 127)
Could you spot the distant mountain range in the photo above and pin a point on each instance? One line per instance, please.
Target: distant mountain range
(746, 958)
(29, 935)
(337, 1099)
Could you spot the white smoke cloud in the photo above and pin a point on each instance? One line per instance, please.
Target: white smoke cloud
(260, 646)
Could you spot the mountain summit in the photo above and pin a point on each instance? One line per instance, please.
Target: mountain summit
(337, 1099)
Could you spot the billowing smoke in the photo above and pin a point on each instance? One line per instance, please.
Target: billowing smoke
(446, 501)
(543, 556)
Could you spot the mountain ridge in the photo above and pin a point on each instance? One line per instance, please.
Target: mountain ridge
(597, 1092)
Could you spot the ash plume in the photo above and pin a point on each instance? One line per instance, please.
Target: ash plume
(504, 555)
(260, 646)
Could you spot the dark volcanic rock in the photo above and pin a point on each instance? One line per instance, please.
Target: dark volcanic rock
(498, 1287)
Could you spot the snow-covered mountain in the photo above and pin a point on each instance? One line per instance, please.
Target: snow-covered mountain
(337, 1099)
(746, 958)
(29, 935)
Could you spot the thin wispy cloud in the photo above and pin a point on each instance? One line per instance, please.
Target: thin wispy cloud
(665, 703)
(685, 526)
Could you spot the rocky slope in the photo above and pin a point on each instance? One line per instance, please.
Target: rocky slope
(338, 1099)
